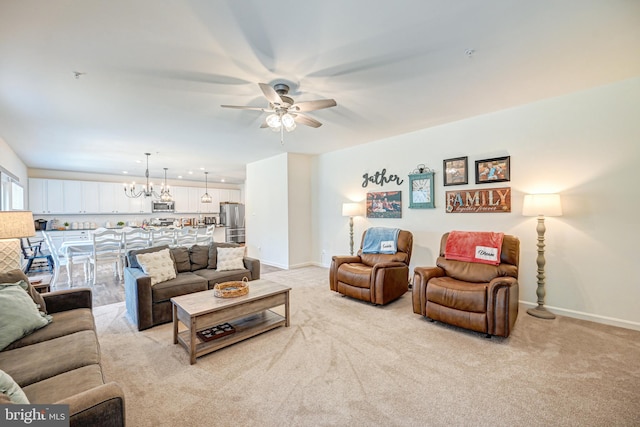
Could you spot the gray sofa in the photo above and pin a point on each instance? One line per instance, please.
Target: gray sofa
(195, 267)
(60, 363)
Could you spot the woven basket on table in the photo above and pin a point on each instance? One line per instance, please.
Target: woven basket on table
(231, 289)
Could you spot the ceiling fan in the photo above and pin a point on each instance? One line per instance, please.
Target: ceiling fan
(285, 112)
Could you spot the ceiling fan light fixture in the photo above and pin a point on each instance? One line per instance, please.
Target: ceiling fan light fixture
(288, 122)
(273, 121)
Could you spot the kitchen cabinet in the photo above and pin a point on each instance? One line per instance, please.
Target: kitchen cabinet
(46, 196)
(187, 199)
(113, 200)
(81, 197)
(140, 205)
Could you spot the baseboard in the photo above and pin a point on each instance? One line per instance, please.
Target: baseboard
(588, 316)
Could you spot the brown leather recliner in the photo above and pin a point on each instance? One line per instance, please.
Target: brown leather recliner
(375, 278)
(480, 297)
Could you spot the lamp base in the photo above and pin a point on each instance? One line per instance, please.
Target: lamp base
(541, 313)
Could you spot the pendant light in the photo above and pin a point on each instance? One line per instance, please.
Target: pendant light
(206, 198)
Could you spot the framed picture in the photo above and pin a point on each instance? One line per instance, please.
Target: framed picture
(493, 170)
(421, 191)
(456, 171)
(387, 204)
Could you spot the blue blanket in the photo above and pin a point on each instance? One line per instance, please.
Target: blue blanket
(380, 240)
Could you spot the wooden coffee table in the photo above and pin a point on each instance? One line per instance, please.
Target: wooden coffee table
(248, 314)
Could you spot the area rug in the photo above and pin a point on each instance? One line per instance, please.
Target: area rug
(343, 362)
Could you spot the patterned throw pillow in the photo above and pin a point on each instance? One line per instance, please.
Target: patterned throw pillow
(157, 265)
(230, 259)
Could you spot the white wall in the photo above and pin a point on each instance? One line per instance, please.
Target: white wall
(299, 207)
(584, 146)
(266, 211)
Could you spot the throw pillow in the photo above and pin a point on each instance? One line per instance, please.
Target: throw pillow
(157, 265)
(132, 256)
(19, 315)
(213, 252)
(14, 276)
(181, 257)
(9, 388)
(230, 259)
(199, 256)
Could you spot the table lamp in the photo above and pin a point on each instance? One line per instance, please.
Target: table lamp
(13, 226)
(541, 205)
(351, 210)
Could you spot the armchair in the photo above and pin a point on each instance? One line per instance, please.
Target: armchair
(479, 297)
(375, 278)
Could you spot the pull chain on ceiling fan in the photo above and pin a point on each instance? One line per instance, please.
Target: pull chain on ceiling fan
(285, 112)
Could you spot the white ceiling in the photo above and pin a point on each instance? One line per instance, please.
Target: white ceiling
(157, 73)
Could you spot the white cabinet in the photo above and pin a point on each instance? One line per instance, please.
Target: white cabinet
(234, 196)
(187, 199)
(76, 235)
(140, 205)
(81, 197)
(112, 199)
(46, 196)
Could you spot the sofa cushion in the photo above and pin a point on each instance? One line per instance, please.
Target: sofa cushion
(14, 276)
(37, 362)
(184, 283)
(64, 323)
(12, 390)
(132, 256)
(213, 252)
(181, 257)
(230, 259)
(199, 256)
(159, 266)
(66, 384)
(215, 276)
(19, 315)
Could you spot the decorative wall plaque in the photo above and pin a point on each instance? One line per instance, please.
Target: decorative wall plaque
(479, 201)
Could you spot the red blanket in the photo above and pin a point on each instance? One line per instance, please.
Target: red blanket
(474, 246)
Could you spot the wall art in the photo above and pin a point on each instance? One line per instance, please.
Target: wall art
(421, 191)
(380, 178)
(456, 171)
(493, 170)
(496, 200)
(387, 204)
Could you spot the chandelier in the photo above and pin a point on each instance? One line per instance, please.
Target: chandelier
(206, 198)
(147, 190)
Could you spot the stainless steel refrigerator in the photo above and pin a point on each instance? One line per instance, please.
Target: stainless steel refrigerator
(232, 217)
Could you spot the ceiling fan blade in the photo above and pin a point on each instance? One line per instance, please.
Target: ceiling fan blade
(314, 105)
(306, 120)
(241, 107)
(270, 93)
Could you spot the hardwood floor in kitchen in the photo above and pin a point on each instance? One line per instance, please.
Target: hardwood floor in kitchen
(108, 289)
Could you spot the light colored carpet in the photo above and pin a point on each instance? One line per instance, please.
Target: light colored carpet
(344, 362)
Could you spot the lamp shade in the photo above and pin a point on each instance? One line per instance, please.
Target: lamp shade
(542, 204)
(16, 224)
(352, 209)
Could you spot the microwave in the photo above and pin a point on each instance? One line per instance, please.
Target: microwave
(162, 206)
